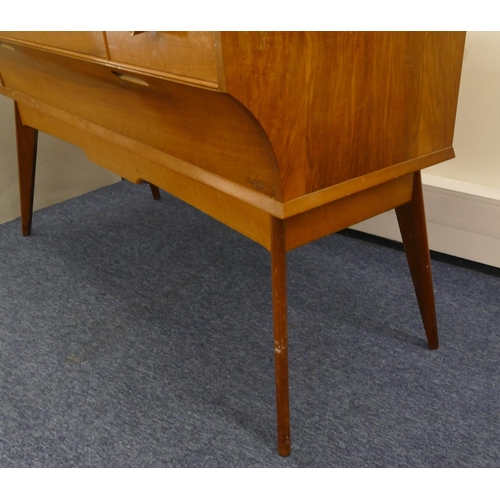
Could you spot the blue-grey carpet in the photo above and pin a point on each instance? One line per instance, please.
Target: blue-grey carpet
(138, 333)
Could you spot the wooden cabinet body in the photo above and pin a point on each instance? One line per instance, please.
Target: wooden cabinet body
(284, 136)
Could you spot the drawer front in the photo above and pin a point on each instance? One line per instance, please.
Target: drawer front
(83, 42)
(188, 54)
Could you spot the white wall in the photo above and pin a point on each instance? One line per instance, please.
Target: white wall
(63, 170)
(463, 195)
(477, 131)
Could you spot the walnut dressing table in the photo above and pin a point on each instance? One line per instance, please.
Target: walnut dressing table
(285, 137)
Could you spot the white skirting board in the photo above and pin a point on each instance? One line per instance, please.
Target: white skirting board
(463, 220)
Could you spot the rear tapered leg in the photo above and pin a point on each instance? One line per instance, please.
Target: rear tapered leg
(27, 140)
(155, 191)
(278, 272)
(411, 220)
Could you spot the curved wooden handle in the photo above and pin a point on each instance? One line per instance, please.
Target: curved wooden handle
(130, 78)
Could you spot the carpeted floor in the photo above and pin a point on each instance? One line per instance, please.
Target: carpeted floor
(138, 333)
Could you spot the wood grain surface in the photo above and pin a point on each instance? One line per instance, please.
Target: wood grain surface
(341, 105)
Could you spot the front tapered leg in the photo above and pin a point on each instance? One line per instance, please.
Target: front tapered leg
(27, 140)
(278, 271)
(411, 219)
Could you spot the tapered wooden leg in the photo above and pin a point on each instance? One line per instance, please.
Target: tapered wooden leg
(278, 271)
(411, 219)
(27, 140)
(155, 191)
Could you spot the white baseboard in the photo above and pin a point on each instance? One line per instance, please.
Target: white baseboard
(463, 220)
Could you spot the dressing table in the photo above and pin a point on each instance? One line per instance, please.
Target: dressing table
(286, 137)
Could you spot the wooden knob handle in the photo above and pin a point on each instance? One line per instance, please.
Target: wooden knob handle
(133, 33)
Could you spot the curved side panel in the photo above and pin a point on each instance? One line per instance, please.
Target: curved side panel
(341, 105)
(205, 128)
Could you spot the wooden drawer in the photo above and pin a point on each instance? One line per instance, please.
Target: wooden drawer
(188, 54)
(84, 42)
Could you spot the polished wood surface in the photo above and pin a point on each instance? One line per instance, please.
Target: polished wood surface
(344, 212)
(285, 137)
(360, 102)
(84, 42)
(171, 118)
(184, 53)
